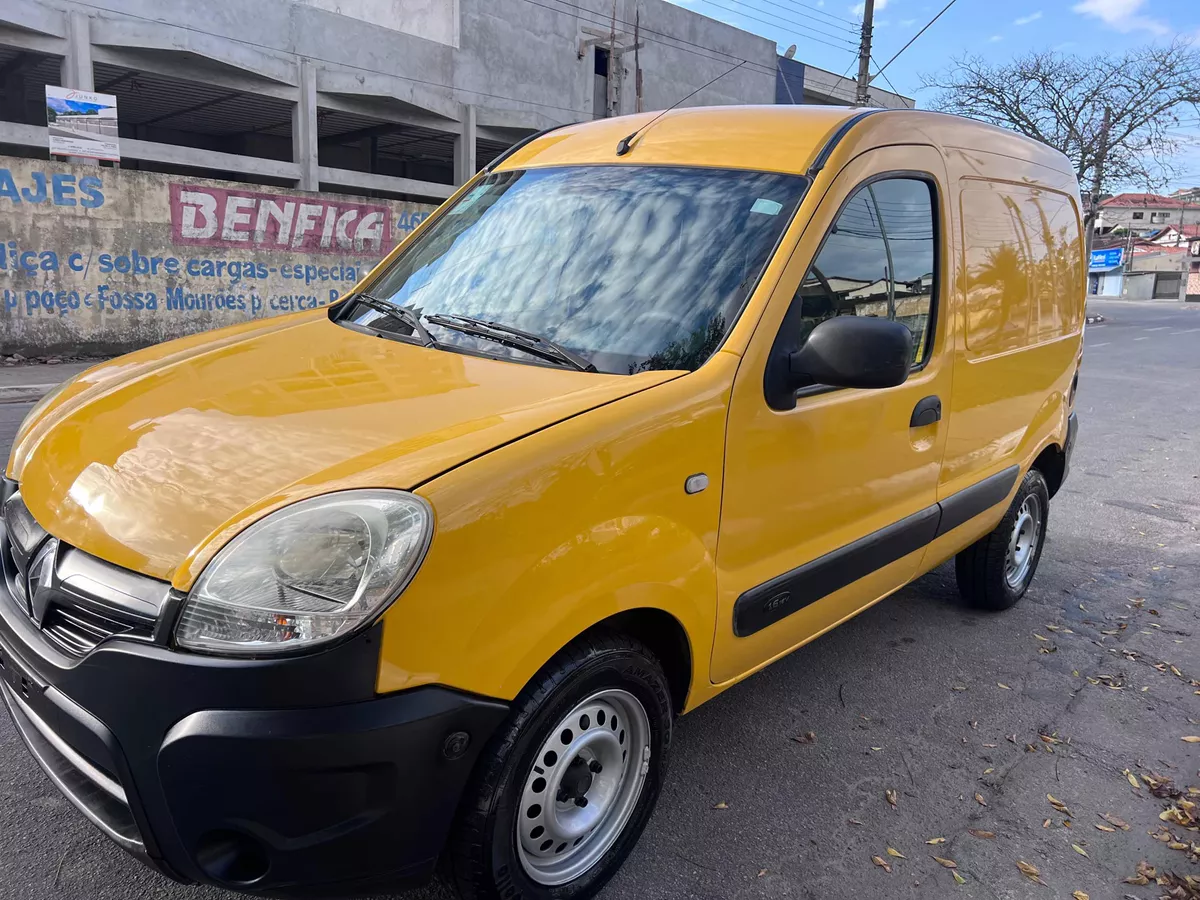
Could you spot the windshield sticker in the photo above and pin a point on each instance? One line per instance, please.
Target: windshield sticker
(766, 207)
(470, 200)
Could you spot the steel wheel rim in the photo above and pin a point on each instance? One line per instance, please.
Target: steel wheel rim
(1023, 542)
(608, 734)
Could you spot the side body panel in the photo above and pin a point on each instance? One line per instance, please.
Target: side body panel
(540, 539)
(840, 467)
(1020, 323)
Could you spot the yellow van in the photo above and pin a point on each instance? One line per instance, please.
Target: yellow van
(312, 602)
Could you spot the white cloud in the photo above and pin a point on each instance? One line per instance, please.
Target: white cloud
(1025, 20)
(1121, 15)
(857, 9)
(995, 38)
(820, 3)
(907, 23)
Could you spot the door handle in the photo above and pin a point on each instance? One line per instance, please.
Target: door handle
(926, 412)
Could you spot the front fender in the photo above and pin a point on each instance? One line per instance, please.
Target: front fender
(541, 539)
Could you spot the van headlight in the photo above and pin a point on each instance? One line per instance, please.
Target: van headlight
(307, 574)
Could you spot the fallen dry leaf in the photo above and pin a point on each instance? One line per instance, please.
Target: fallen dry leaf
(1058, 804)
(1113, 820)
(1049, 740)
(1039, 637)
(936, 841)
(1030, 872)
(1177, 845)
(892, 851)
(948, 863)
(1079, 850)
(1176, 672)
(876, 749)
(762, 872)
(882, 863)
(979, 799)
(988, 771)
(1145, 874)
(1131, 779)
(958, 878)
(1046, 823)
(1001, 684)
(854, 821)
(721, 805)
(959, 687)
(986, 835)
(1191, 739)
(1052, 628)
(1079, 895)
(891, 797)
(1107, 828)
(809, 737)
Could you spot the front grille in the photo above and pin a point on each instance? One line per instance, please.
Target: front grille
(79, 601)
(78, 630)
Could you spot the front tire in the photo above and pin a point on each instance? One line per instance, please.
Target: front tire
(564, 789)
(995, 572)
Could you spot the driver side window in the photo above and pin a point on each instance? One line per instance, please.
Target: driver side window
(877, 260)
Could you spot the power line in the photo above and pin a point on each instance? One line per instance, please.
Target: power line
(837, 21)
(792, 23)
(817, 10)
(738, 12)
(913, 38)
(888, 80)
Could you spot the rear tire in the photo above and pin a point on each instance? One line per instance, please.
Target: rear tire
(995, 571)
(594, 725)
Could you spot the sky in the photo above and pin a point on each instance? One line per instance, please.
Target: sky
(825, 33)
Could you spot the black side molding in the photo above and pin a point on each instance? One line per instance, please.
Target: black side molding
(970, 502)
(790, 592)
(794, 590)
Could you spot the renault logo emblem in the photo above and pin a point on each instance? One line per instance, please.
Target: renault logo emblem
(40, 579)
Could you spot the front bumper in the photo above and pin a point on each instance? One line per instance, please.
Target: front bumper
(275, 775)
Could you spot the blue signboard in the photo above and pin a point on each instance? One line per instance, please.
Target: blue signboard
(1107, 259)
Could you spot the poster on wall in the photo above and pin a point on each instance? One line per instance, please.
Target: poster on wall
(82, 124)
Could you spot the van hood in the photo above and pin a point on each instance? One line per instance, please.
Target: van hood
(155, 460)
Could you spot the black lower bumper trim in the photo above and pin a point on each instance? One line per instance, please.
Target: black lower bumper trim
(267, 776)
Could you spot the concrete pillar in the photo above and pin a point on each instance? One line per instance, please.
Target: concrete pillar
(304, 128)
(77, 69)
(77, 63)
(464, 147)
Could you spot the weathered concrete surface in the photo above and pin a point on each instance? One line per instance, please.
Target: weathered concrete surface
(804, 820)
(100, 261)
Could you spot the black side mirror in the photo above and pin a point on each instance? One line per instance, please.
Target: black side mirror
(846, 351)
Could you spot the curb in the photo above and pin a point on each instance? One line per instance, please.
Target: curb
(25, 393)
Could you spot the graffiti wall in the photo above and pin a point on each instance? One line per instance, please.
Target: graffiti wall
(99, 260)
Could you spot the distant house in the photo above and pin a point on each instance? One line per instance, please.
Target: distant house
(1175, 235)
(1146, 212)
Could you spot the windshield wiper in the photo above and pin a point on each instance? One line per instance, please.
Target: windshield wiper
(404, 314)
(527, 342)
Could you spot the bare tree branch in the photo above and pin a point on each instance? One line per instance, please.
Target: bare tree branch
(1060, 100)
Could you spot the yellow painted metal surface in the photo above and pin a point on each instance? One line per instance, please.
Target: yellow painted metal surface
(153, 461)
(842, 464)
(558, 495)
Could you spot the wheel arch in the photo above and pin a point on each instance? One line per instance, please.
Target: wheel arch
(666, 637)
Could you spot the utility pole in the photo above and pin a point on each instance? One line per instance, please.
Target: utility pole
(610, 100)
(862, 94)
(1097, 183)
(637, 59)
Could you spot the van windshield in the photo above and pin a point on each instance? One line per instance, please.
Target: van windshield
(630, 268)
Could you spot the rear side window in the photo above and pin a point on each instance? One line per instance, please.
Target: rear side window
(1022, 259)
(877, 260)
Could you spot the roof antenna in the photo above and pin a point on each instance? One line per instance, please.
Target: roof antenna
(626, 143)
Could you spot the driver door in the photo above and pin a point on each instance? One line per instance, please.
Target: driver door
(827, 507)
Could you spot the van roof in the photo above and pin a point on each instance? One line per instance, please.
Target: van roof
(782, 138)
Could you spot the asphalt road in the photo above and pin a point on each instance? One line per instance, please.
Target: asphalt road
(917, 695)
